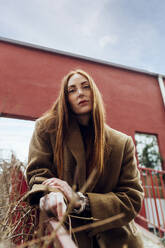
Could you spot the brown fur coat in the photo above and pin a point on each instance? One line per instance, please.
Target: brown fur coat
(117, 190)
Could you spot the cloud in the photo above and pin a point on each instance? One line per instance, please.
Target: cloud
(107, 39)
(89, 26)
(118, 31)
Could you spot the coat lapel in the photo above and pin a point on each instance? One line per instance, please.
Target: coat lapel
(96, 183)
(75, 144)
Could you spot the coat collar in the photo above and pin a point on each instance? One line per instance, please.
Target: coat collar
(75, 144)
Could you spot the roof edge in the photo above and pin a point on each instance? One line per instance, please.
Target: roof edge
(78, 56)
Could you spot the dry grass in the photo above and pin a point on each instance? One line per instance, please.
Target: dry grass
(18, 220)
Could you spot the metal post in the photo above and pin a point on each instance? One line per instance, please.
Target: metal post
(162, 87)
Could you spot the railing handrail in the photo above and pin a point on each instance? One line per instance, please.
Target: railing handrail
(152, 214)
(150, 169)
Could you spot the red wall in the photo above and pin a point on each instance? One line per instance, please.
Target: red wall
(30, 80)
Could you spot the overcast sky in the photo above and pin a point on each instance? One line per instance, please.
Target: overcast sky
(15, 137)
(128, 32)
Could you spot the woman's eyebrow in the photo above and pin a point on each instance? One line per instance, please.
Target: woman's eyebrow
(71, 86)
(86, 81)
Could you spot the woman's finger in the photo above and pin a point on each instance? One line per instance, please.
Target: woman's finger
(61, 206)
(54, 203)
(54, 179)
(44, 203)
(63, 186)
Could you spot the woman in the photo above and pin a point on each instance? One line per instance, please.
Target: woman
(69, 142)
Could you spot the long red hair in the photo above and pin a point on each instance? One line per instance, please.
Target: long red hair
(57, 119)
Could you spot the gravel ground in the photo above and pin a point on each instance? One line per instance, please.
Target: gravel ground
(150, 240)
(148, 243)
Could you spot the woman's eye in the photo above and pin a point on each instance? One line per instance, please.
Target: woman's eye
(86, 86)
(71, 90)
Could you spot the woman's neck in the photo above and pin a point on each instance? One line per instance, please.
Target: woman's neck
(83, 119)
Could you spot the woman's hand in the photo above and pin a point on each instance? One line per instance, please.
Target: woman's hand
(64, 187)
(54, 203)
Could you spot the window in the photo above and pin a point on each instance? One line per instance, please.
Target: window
(15, 137)
(148, 151)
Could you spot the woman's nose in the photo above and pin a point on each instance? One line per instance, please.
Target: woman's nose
(80, 91)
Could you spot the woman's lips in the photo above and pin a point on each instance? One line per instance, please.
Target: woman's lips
(83, 102)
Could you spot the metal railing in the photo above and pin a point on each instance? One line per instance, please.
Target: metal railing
(152, 215)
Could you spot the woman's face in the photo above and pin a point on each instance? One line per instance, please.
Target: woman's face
(79, 94)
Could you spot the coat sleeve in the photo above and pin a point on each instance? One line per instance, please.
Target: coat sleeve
(126, 198)
(40, 164)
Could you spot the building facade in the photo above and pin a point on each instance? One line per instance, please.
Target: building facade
(31, 76)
